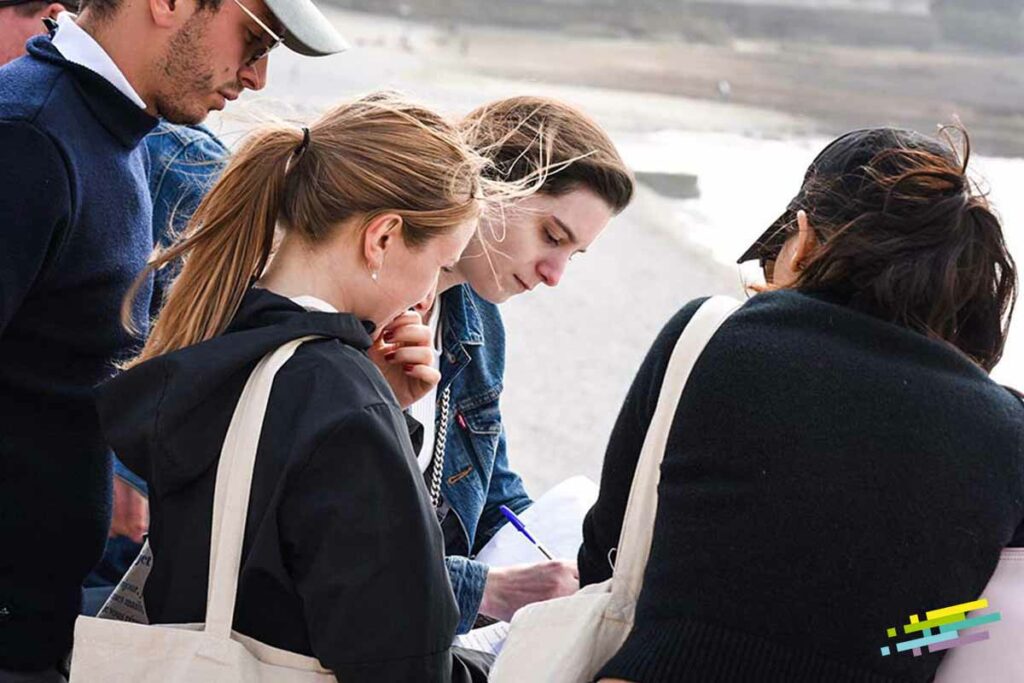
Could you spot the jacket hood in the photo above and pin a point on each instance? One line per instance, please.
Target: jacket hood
(159, 416)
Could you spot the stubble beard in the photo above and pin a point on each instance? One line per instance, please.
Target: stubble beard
(186, 75)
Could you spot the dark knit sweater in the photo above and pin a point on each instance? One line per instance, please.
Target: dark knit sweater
(827, 474)
(75, 230)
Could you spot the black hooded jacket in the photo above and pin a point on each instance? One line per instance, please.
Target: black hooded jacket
(343, 558)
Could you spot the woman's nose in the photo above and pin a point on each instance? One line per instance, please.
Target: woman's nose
(551, 271)
(427, 303)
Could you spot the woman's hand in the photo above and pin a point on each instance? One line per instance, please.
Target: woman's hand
(509, 588)
(404, 352)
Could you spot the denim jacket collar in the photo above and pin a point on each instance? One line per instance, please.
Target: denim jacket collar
(462, 327)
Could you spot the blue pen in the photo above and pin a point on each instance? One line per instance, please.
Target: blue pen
(518, 524)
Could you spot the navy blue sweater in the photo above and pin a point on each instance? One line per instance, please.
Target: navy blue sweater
(75, 230)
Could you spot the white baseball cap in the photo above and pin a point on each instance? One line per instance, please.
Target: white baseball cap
(306, 30)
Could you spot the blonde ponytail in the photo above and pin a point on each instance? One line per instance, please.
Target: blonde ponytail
(225, 246)
(378, 154)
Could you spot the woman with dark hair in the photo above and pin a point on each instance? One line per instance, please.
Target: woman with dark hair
(840, 457)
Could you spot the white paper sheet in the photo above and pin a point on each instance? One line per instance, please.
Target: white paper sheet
(487, 639)
(555, 520)
(125, 602)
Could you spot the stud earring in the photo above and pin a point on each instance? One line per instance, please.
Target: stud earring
(373, 276)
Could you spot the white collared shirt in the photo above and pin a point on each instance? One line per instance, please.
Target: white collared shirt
(78, 47)
(311, 303)
(424, 410)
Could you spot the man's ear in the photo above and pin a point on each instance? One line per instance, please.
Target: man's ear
(379, 236)
(52, 10)
(806, 242)
(171, 13)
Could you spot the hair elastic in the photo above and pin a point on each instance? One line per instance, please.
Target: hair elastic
(305, 142)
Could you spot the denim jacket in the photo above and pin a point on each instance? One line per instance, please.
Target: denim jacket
(184, 162)
(476, 478)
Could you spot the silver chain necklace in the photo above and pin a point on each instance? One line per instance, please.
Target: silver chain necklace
(438, 460)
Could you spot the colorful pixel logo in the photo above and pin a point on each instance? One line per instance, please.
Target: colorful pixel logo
(949, 622)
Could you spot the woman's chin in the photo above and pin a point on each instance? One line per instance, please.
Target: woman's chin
(383, 324)
(494, 294)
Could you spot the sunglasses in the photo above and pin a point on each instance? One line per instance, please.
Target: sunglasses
(262, 50)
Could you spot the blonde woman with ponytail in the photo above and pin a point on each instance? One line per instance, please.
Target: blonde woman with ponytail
(342, 557)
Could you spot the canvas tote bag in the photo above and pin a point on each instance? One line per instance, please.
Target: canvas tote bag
(1000, 657)
(109, 651)
(567, 640)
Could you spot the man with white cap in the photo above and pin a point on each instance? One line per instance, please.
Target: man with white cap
(75, 229)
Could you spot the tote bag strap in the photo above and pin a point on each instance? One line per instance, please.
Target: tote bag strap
(231, 494)
(638, 523)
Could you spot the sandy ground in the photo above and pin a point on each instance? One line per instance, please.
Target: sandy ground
(837, 86)
(573, 351)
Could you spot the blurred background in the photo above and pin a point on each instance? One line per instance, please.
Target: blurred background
(719, 105)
